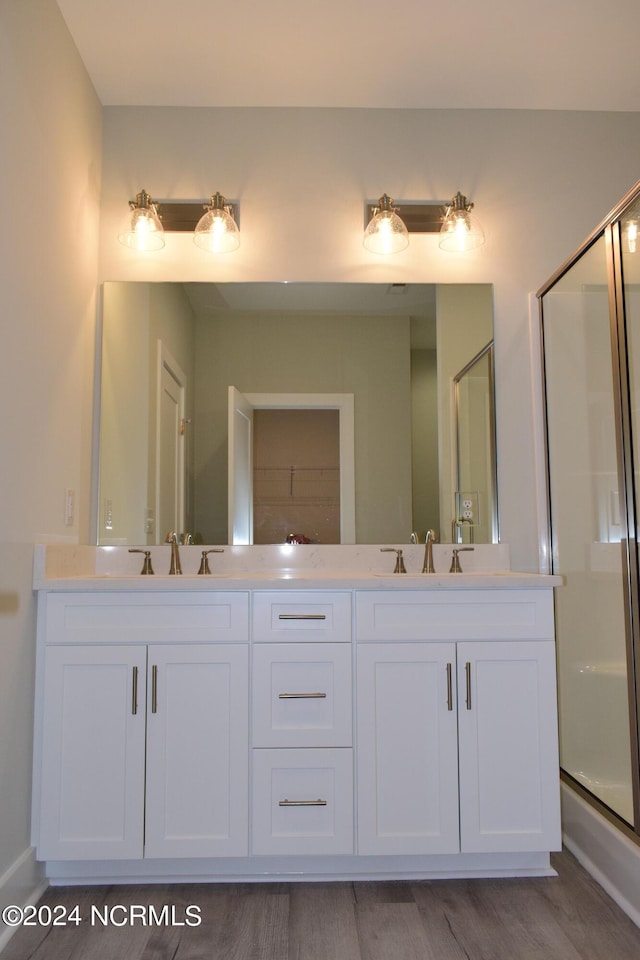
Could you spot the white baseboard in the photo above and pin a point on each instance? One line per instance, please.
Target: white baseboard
(23, 883)
(612, 859)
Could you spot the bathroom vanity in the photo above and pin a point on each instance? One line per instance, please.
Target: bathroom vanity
(323, 719)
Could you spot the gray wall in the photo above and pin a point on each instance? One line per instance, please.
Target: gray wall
(50, 174)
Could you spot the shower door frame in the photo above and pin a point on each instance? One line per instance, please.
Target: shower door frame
(610, 230)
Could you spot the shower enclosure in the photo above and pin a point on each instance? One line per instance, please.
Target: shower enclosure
(590, 323)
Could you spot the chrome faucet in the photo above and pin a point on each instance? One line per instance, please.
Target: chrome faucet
(430, 539)
(176, 566)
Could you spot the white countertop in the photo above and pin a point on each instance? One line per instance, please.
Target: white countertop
(110, 569)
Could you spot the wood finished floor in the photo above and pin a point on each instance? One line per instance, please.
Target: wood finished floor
(568, 917)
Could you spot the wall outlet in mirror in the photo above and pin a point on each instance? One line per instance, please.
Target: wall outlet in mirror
(467, 506)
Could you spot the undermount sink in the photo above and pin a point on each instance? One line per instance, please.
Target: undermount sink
(402, 576)
(444, 573)
(175, 578)
(169, 577)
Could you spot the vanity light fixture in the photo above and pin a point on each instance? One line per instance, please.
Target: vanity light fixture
(385, 232)
(460, 230)
(217, 231)
(143, 230)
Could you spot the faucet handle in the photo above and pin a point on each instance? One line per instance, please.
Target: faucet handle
(455, 562)
(204, 563)
(147, 569)
(399, 567)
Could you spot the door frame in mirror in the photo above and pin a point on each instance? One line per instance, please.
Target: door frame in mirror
(344, 404)
(459, 520)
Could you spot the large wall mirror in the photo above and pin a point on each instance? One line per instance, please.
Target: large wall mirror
(350, 396)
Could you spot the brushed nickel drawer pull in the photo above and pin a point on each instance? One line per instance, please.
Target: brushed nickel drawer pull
(301, 696)
(154, 688)
(302, 616)
(302, 803)
(467, 670)
(449, 688)
(134, 692)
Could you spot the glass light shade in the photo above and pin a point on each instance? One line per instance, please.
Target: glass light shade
(143, 230)
(217, 231)
(460, 230)
(385, 232)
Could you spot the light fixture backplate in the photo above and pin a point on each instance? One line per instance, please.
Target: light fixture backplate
(417, 217)
(181, 216)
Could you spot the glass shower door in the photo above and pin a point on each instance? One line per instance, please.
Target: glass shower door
(588, 529)
(628, 243)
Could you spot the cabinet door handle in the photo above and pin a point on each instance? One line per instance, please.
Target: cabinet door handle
(302, 616)
(134, 691)
(449, 688)
(302, 803)
(467, 670)
(154, 688)
(301, 696)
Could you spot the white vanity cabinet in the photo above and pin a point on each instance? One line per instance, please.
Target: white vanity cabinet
(143, 730)
(457, 744)
(302, 758)
(247, 727)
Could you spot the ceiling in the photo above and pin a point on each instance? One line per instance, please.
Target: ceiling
(355, 299)
(512, 54)
(414, 300)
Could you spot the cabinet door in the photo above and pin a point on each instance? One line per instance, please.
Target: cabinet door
(509, 778)
(197, 751)
(92, 790)
(407, 750)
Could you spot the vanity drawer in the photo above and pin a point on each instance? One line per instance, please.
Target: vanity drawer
(302, 695)
(147, 618)
(455, 614)
(301, 615)
(302, 802)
